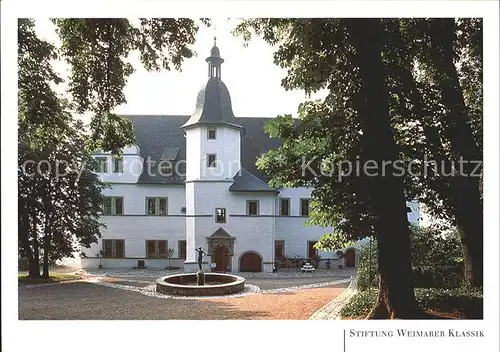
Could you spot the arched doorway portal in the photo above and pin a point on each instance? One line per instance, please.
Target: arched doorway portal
(221, 258)
(350, 258)
(221, 249)
(251, 262)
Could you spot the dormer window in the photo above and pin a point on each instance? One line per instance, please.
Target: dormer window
(212, 133)
(117, 165)
(165, 168)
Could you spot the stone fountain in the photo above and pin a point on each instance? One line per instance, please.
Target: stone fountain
(200, 283)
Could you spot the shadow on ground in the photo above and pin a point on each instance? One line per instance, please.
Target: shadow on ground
(85, 301)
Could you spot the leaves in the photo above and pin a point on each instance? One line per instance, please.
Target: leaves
(320, 53)
(98, 52)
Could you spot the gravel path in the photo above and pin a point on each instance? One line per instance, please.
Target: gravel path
(85, 301)
(331, 311)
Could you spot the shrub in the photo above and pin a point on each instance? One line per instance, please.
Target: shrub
(367, 273)
(437, 259)
(466, 300)
(360, 304)
(463, 300)
(439, 276)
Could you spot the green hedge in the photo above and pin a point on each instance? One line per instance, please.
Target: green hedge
(437, 260)
(464, 300)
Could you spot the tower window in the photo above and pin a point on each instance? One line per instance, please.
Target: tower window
(220, 215)
(212, 133)
(211, 160)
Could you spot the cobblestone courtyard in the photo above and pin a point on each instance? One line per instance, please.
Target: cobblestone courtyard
(123, 296)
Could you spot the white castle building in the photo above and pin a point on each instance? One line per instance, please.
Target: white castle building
(191, 181)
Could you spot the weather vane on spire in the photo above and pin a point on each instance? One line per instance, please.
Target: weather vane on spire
(215, 34)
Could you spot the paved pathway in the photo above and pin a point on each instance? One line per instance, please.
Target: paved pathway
(331, 311)
(158, 272)
(122, 298)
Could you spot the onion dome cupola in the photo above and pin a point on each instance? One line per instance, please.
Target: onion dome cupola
(213, 105)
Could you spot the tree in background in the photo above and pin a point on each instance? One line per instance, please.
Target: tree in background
(378, 110)
(55, 211)
(435, 72)
(98, 49)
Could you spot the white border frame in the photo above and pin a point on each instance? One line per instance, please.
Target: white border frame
(89, 335)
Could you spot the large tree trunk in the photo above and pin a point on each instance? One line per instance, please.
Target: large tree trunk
(385, 190)
(34, 271)
(35, 267)
(24, 234)
(466, 190)
(46, 250)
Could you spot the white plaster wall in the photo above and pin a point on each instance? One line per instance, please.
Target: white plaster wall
(295, 194)
(193, 153)
(227, 147)
(211, 194)
(201, 199)
(132, 166)
(415, 216)
(93, 263)
(296, 235)
(135, 230)
(292, 230)
(134, 197)
(135, 227)
(252, 233)
(190, 222)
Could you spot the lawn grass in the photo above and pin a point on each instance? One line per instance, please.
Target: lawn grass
(23, 279)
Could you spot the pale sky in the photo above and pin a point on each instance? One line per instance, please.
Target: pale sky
(252, 78)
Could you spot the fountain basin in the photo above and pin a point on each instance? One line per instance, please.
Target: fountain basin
(185, 285)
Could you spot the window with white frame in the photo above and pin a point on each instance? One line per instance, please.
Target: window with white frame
(102, 163)
(284, 206)
(220, 215)
(181, 250)
(252, 207)
(156, 206)
(212, 133)
(113, 248)
(304, 207)
(211, 160)
(156, 248)
(117, 165)
(112, 206)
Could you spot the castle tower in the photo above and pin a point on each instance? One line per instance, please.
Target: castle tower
(213, 157)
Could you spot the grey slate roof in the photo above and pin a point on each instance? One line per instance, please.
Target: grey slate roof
(155, 134)
(170, 153)
(213, 106)
(244, 181)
